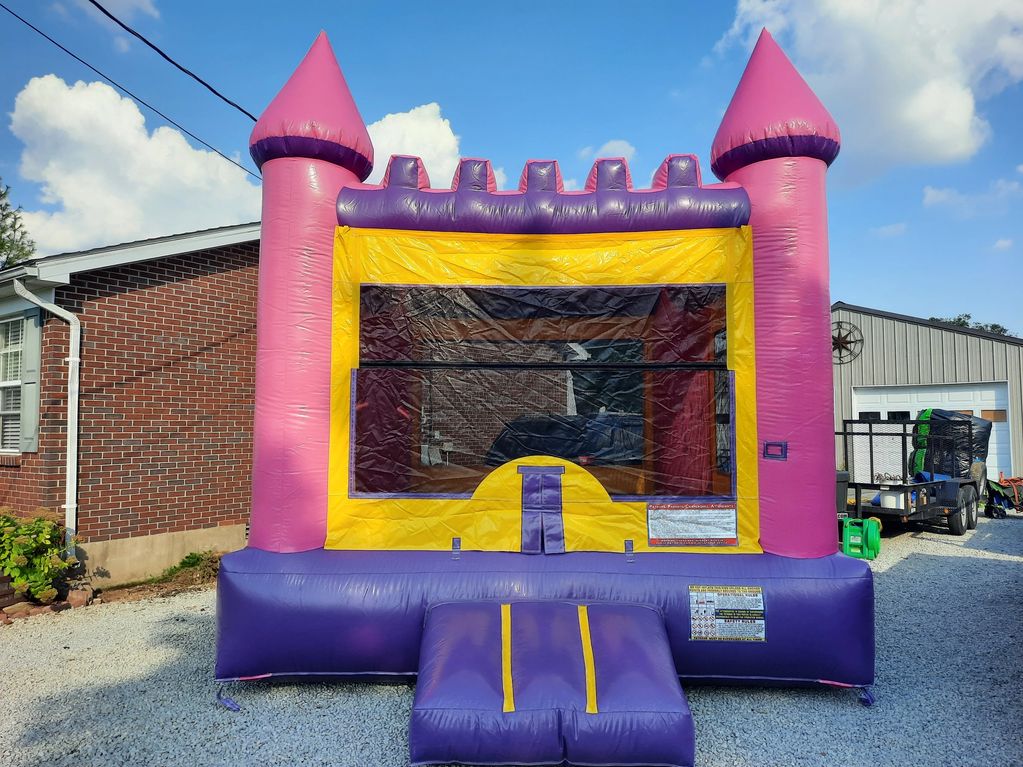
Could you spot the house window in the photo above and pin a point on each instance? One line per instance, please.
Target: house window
(12, 336)
(995, 416)
(898, 415)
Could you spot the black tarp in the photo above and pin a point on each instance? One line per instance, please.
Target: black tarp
(950, 442)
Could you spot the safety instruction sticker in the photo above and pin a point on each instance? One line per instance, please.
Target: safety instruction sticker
(727, 613)
(693, 523)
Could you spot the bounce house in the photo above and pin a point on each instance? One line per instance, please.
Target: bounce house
(548, 451)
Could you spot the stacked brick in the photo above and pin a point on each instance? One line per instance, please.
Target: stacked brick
(166, 398)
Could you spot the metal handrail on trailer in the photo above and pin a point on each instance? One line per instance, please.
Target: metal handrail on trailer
(925, 498)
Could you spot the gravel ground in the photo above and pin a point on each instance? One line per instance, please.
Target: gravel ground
(130, 684)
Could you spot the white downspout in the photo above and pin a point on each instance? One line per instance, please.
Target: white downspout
(71, 452)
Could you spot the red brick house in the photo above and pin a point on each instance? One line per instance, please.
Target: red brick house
(168, 331)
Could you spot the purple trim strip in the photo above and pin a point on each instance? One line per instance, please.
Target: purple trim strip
(541, 469)
(274, 147)
(611, 207)
(543, 529)
(817, 147)
(674, 498)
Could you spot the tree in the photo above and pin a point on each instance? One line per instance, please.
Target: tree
(966, 321)
(15, 244)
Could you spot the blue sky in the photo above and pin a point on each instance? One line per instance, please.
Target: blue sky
(926, 198)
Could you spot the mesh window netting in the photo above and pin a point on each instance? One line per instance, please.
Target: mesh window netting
(630, 382)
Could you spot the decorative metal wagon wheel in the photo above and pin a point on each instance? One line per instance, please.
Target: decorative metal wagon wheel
(846, 342)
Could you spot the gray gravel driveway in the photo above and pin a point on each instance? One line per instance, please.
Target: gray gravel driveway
(130, 684)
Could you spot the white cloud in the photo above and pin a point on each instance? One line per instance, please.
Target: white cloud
(616, 147)
(942, 196)
(1019, 168)
(902, 77)
(111, 180)
(889, 230)
(995, 200)
(421, 131)
(125, 10)
(1003, 244)
(570, 184)
(501, 178)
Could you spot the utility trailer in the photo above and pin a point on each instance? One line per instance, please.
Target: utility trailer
(916, 470)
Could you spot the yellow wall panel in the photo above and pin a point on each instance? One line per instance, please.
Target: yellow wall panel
(491, 519)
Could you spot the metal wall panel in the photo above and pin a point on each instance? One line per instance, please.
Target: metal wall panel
(897, 352)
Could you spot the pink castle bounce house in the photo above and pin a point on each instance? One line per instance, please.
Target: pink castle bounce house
(547, 451)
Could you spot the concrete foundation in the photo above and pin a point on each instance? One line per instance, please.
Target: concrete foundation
(124, 560)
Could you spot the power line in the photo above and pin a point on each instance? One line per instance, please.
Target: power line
(169, 60)
(127, 92)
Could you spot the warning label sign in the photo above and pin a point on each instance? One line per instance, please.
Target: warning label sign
(692, 523)
(729, 613)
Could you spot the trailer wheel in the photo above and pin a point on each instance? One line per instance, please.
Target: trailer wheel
(971, 506)
(958, 520)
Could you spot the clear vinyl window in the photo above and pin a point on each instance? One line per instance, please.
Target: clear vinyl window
(629, 382)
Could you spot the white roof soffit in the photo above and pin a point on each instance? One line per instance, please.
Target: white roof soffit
(57, 269)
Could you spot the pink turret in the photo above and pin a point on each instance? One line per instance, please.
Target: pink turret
(310, 142)
(777, 140)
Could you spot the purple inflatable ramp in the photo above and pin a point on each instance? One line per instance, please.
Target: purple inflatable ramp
(548, 682)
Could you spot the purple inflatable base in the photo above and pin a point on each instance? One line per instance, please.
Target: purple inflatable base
(358, 613)
(625, 707)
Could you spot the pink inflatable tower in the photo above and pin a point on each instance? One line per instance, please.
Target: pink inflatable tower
(310, 142)
(777, 140)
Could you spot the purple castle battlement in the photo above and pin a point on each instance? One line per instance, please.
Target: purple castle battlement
(677, 199)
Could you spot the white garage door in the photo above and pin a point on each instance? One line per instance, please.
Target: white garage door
(988, 400)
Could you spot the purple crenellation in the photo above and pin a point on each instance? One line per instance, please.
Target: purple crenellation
(677, 200)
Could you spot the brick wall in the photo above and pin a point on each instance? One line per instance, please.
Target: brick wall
(470, 407)
(166, 402)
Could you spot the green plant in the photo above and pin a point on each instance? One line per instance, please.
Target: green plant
(205, 563)
(30, 552)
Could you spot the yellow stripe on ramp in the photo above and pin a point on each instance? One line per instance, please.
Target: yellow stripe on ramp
(506, 670)
(591, 674)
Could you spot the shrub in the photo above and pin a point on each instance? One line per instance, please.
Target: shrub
(30, 552)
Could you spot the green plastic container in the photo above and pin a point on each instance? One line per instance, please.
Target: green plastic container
(861, 538)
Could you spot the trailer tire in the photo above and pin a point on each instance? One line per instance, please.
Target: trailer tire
(971, 506)
(958, 522)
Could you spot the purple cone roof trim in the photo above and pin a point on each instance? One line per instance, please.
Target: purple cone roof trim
(313, 148)
(818, 147)
(314, 104)
(677, 200)
(773, 113)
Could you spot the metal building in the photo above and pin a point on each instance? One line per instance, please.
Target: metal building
(893, 366)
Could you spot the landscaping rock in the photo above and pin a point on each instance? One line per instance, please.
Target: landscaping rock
(18, 607)
(80, 597)
(42, 610)
(6, 600)
(59, 607)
